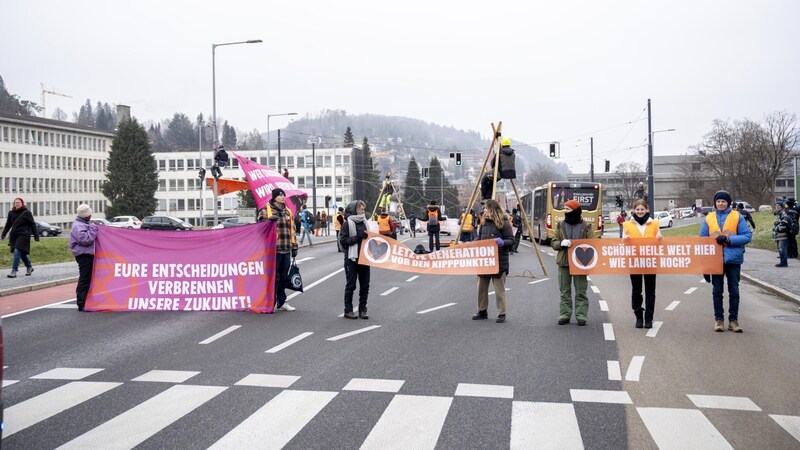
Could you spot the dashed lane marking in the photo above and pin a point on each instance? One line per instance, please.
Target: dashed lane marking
(213, 338)
(538, 281)
(614, 372)
(608, 331)
(353, 333)
(291, 341)
(634, 369)
(673, 305)
(306, 288)
(389, 291)
(690, 290)
(435, 308)
(654, 331)
(595, 289)
(412, 278)
(603, 305)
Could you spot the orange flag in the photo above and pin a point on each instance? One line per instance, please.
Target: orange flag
(228, 186)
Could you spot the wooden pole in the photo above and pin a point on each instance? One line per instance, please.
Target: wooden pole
(521, 209)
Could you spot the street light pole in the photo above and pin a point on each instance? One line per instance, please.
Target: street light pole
(278, 162)
(214, 105)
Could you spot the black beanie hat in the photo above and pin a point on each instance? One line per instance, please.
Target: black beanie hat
(723, 195)
(278, 191)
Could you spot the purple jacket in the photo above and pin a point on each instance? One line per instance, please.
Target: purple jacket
(82, 236)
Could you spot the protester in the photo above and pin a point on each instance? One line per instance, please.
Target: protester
(81, 242)
(285, 173)
(412, 225)
(621, 218)
(781, 230)
(641, 226)
(732, 233)
(487, 184)
(433, 217)
(791, 237)
(516, 222)
(495, 225)
(385, 224)
(19, 228)
(386, 193)
(285, 247)
(467, 225)
(338, 220)
(572, 227)
(354, 232)
(747, 216)
(307, 222)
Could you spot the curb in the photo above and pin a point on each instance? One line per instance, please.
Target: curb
(37, 286)
(786, 295)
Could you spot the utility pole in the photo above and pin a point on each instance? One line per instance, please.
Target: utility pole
(591, 164)
(314, 176)
(651, 197)
(279, 148)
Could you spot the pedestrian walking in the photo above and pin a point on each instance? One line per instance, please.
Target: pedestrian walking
(412, 225)
(641, 226)
(781, 230)
(307, 224)
(791, 237)
(81, 243)
(747, 216)
(434, 217)
(495, 225)
(732, 233)
(285, 246)
(516, 222)
(19, 227)
(621, 218)
(572, 227)
(353, 233)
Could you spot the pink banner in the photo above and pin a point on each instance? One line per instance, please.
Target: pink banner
(264, 179)
(231, 269)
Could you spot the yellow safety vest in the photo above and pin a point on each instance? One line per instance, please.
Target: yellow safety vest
(337, 221)
(632, 229)
(385, 225)
(728, 228)
(466, 222)
(291, 219)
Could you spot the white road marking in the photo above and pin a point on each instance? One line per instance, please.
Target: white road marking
(690, 290)
(306, 288)
(538, 281)
(43, 406)
(389, 291)
(703, 280)
(309, 258)
(220, 334)
(673, 305)
(614, 372)
(608, 331)
(291, 341)
(353, 333)
(66, 373)
(38, 308)
(9, 382)
(412, 278)
(295, 408)
(588, 278)
(166, 376)
(63, 306)
(789, 423)
(598, 396)
(435, 308)
(424, 415)
(595, 289)
(634, 369)
(654, 331)
(267, 380)
(484, 390)
(681, 428)
(374, 385)
(544, 425)
(723, 402)
(603, 305)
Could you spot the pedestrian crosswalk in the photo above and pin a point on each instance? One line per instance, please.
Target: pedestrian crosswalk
(406, 421)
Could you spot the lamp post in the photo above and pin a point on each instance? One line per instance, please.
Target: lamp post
(278, 163)
(214, 105)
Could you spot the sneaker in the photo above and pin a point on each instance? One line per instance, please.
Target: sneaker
(501, 318)
(13, 274)
(563, 321)
(581, 323)
(28, 271)
(781, 265)
(350, 315)
(363, 315)
(480, 315)
(287, 307)
(718, 326)
(734, 326)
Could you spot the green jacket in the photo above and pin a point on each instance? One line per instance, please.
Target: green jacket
(583, 231)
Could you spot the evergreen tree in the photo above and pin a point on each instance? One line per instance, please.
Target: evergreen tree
(132, 175)
(12, 104)
(246, 199)
(349, 142)
(180, 133)
(413, 193)
(86, 115)
(101, 120)
(435, 182)
(201, 130)
(157, 140)
(228, 137)
(372, 180)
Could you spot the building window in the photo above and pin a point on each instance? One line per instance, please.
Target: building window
(172, 165)
(180, 164)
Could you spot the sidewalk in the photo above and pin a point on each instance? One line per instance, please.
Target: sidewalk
(759, 268)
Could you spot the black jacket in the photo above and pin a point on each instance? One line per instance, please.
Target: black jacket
(23, 226)
(490, 231)
(486, 187)
(435, 228)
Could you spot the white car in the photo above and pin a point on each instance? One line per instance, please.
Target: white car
(664, 219)
(130, 222)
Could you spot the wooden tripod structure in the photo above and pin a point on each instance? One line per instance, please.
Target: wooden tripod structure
(400, 209)
(495, 147)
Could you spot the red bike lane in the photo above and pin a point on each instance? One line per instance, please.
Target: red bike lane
(10, 304)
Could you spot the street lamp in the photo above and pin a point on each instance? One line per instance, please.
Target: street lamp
(214, 104)
(279, 155)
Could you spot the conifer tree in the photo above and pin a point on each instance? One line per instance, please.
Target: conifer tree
(413, 198)
(349, 142)
(372, 180)
(132, 175)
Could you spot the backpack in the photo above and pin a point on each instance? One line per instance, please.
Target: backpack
(433, 219)
(794, 228)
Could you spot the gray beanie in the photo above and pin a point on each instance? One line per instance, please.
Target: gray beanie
(84, 210)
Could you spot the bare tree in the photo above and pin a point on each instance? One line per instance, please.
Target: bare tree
(59, 114)
(695, 182)
(541, 174)
(631, 174)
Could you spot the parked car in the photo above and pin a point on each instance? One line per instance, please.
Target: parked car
(228, 223)
(101, 222)
(165, 223)
(664, 219)
(45, 229)
(685, 213)
(705, 210)
(130, 222)
(747, 206)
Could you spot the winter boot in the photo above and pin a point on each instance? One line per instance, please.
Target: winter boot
(29, 271)
(639, 313)
(13, 274)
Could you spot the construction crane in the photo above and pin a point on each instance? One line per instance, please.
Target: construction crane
(53, 92)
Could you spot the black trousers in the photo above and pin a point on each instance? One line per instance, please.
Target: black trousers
(791, 250)
(282, 263)
(433, 235)
(85, 263)
(354, 271)
(649, 294)
(517, 238)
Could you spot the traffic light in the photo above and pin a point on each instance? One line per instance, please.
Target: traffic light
(327, 201)
(608, 166)
(458, 158)
(221, 157)
(619, 201)
(552, 149)
(425, 172)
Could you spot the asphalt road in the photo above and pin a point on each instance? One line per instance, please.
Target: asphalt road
(418, 374)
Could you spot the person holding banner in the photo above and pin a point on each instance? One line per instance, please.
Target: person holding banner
(353, 233)
(81, 243)
(495, 225)
(572, 227)
(640, 226)
(286, 246)
(732, 233)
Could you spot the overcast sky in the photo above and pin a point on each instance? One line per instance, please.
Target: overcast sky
(551, 71)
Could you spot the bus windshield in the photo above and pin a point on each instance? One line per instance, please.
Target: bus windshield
(588, 197)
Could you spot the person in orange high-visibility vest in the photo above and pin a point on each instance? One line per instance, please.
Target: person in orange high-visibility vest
(467, 225)
(640, 226)
(384, 224)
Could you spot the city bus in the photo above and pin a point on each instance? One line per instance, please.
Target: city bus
(545, 207)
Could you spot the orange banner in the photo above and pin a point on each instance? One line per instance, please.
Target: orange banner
(678, 255)
(226, 186)
(471, 258)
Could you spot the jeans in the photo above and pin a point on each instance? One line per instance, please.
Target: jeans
(354, 271)
(282, 263)
(731, 272)
(565, 282)
(649, 294)
(433, 235)
(18, 254)
(307, 232)
(85, 263)
(783, 251)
